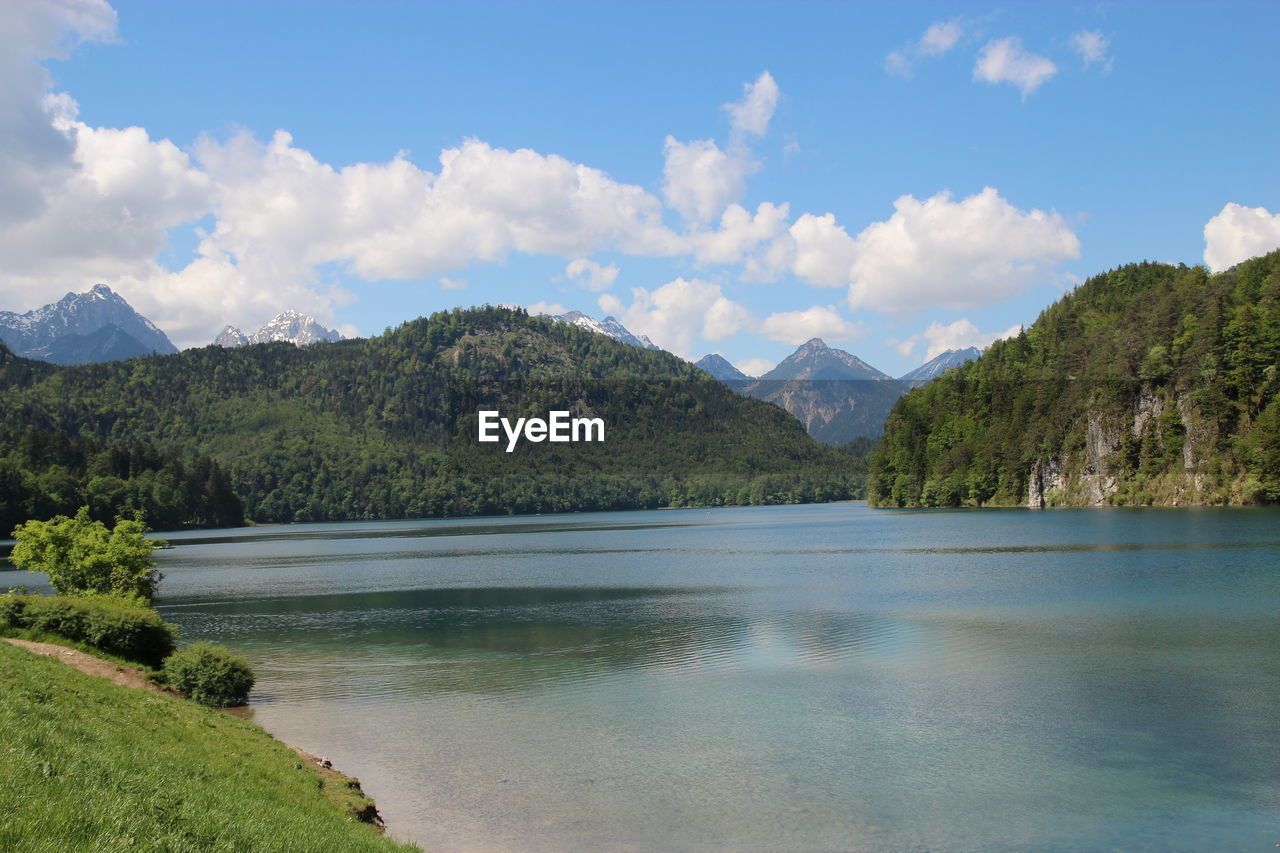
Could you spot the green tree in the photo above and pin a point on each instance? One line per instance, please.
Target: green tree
(82, 556)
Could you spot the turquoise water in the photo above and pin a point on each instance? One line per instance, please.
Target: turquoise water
(815, 678)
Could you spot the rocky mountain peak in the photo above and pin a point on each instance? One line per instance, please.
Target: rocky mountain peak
(70, 331)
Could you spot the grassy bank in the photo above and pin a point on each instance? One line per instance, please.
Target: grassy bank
(89, 765)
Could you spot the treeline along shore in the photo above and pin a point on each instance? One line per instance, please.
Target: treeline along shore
(386, 427)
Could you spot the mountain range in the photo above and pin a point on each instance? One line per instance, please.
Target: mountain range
(292, 326)
(721, 369)
(98, 325)
(386, 427)
(609, 327)
(835, 394)
(940, 364)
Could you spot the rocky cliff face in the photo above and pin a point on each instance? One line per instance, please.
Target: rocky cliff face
(1092, 474)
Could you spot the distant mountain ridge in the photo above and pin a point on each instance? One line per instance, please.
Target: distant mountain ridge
(721, 369)
(940, 364)
(292, 326)
(389, 427)
(836, 395)
(609, 327)
(98, 325)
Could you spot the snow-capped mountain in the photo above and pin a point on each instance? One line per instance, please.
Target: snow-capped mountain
(940, 364)
(608, 326)
(295, 327)
(98, 325)
(721, 369)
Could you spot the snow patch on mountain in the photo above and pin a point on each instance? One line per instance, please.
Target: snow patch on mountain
(291, 326)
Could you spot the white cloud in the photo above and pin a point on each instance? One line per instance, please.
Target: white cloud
(1006, 61)
(1092, 47)
(822, 251)
(1238, 233)
(958, 335)
(594, 277)
(740, 233)
(754, 366)
(796, 327)
(78, 204)
(937, 40)
(453, 283)
(751, 115)
(959, 254)
(940, 37)
(700, 180)
(610, 304)
(283, 216)
(546, 308)
(682, 312)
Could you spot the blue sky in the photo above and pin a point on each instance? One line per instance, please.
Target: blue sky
(731, 177)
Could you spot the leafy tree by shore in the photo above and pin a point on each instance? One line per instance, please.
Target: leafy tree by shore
(82, 556)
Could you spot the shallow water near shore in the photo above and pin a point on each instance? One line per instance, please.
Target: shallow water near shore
(809, 678)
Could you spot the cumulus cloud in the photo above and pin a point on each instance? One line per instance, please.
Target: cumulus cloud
(1092, 47)
(754, 366)
(956, 253)
(1006, 61)
(796, 327)
(592, 275)
(78, 204)
(680, 313)
(453, 283)
(961, 334)
(546, 308)
(700, 179)
(937, 40)
(1238, 233)
(740, 233)
(283, 216)
(751, 115)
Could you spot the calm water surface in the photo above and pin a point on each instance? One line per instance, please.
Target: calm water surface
(816, 678)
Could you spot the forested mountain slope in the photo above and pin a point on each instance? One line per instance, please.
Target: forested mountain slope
(1148, 384)
(386, 427)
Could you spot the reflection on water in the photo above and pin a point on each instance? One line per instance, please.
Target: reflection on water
(790, 678)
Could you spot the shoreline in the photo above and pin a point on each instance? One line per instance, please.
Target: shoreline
(361, 807)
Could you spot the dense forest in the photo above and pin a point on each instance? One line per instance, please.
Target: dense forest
(386, 427)
(44, 474)
(1150, 384)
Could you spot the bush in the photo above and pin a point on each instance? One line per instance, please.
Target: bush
(209, 674)
(118, 626)
(82, 556)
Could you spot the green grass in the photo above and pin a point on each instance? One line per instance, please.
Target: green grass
(86, 765)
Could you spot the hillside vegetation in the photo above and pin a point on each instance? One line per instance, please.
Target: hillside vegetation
(1148, 384)
(386, 427)
(89, 765)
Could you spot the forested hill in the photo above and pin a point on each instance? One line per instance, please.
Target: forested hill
(386, 427)
(1148, 384)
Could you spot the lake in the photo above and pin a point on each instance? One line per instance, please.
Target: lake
(801, 678)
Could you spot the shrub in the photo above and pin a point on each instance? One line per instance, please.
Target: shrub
(82, 556)
(119, 626)
(209, 674)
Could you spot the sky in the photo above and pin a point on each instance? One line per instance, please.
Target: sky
(733, 177)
